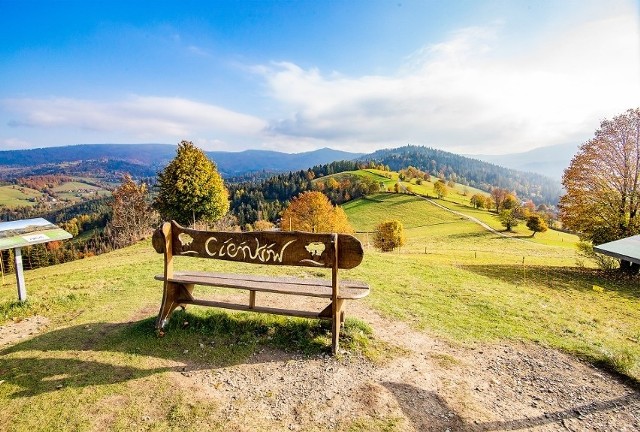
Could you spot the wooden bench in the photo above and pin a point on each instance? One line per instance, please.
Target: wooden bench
(335, 251)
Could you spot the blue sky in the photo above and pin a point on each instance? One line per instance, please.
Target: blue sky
(473, 77)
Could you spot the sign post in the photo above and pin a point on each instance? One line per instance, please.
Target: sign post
(17, 234)
(22, 289)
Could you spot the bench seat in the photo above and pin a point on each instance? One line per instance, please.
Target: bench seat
(349, 290)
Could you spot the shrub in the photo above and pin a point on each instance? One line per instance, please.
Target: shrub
(389, 235)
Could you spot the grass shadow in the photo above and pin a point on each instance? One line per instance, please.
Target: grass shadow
(471, 235)
(558, 278)
(109, 353)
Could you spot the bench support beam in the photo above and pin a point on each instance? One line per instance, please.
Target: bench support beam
(175, 294)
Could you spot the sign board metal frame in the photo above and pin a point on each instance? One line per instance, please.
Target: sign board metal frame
(27, 232)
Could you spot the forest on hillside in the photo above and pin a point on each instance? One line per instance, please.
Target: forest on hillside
(471, 172)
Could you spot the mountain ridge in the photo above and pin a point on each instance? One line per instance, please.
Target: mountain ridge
(157, 156)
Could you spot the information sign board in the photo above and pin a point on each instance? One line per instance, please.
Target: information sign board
(17, 234)
(28, 232)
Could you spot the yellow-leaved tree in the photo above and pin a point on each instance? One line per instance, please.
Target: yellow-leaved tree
(313, 212)
(389, 235)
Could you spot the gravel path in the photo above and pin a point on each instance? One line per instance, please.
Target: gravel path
(431, 386)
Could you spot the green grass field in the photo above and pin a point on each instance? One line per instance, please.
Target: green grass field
(467, 284)
(100, 366)
(75, 186)
(12, 197)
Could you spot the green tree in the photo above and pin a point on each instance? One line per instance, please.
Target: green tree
(190, 188)
(508, 219)
(389, 235)
(536, 223)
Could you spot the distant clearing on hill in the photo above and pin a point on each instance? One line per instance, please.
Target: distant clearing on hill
(16, 196)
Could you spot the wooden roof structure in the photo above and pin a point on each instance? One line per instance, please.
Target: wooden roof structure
(627, 249)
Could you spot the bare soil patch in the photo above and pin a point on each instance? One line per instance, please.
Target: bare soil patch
(21, 329)
(432, 386)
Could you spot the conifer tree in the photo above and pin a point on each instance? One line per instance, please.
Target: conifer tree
(190, 188)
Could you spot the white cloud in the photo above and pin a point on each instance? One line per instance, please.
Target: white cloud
(14, 144)
(471, 92)
(160, 119)
(463, 95)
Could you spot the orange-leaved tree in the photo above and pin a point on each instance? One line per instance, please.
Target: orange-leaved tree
(132, 216)
(603, 182)
(313, 212)
(602, 202)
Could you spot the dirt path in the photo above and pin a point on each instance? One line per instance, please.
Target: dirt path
(470, 218)
(433, 386)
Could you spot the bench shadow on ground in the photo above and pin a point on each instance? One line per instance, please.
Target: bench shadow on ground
(558, 278)
(108, 353)
(427, 411)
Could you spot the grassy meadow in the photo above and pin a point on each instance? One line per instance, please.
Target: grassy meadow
(14, 196)
(74, 191)
(99, 365)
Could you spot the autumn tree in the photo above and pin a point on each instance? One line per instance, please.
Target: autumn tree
(312, 211)
(389, 235)
(498, 195)
(440, 189)
(190, 188)
(132, 216)
(478, 200)
(536, 223)
(603, 183)
(510, 202)
(263, 225)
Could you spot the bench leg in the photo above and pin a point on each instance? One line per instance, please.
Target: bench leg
(336, 321)
(174, 295)
(252, 299)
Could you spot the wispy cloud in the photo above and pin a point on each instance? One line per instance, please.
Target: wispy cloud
(473, 91)
(143, 117)
(462, 94)
(14, 144)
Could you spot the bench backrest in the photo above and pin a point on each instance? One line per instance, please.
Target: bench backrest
(261, 247)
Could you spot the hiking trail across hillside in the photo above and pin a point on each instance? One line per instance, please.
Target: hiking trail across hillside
(470, 218)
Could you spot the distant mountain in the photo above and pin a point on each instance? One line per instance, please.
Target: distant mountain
(145, 160)
(239, 163)
(152, 157)
(550, 161)
(474, 172)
